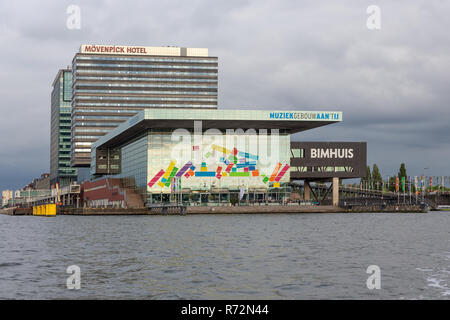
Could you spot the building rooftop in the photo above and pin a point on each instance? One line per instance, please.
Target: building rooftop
(292, 121)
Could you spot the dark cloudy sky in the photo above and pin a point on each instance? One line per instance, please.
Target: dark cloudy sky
(392, 84)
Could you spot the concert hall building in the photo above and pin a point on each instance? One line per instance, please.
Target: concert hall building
(221, 156)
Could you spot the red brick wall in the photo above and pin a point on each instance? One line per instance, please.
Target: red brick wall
(101, 190)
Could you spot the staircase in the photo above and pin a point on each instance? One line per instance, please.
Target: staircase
(132, 199)
(133, 196)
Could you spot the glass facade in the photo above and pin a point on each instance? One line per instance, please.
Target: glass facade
(134, 161)
(207, 156)
(215, 164)
(107, 89)
(60, 130)
(166, 168)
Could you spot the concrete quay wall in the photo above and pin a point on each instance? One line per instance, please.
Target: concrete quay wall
(260, 209)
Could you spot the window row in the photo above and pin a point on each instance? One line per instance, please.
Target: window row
(180, 60)
(144, 98)
(152, 66)
(142, 105)
(180, 73)
(143, 79)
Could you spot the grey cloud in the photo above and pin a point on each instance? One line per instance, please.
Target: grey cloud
(391, 84)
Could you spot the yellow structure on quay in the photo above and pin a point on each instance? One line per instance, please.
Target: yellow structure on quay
(45, 210)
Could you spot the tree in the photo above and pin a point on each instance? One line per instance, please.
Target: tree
(376, 177)
(402, 171)
(402, 174)
(367, 179)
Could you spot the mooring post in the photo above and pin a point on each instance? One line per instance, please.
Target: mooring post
(307, 191)
(335, 191)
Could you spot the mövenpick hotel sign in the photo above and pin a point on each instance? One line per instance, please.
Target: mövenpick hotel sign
(141, 50)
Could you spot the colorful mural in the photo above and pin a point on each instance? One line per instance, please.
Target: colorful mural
(232, 163)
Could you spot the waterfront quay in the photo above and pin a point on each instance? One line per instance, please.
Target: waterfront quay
(192, 210)
(137, 130)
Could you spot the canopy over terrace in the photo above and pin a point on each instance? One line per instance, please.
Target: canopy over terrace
(291, 121)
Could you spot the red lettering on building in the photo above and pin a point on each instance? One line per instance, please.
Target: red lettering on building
(114, 49)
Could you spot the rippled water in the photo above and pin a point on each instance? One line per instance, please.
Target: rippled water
(297, 256)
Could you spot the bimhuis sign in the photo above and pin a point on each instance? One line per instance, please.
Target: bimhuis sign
(329, 159)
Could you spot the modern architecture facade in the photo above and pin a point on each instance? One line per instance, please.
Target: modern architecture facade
(113, 83)
(199, 156)
(139, 126)
(60, 130)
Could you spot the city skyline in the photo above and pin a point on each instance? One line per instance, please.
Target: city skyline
(391, 86)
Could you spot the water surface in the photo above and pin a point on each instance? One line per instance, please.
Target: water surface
(261, 256)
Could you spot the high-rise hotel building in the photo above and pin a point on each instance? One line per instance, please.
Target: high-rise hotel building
(113, 83)
(60, 129)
